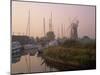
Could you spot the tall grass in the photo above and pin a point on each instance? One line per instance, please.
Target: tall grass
(73, 52)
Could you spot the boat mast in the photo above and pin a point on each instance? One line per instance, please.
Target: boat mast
(28, 25)
(44, 26)
(50, 23)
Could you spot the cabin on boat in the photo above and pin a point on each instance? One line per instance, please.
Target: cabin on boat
(53, 43)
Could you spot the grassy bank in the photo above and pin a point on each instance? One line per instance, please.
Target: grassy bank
(73, 55)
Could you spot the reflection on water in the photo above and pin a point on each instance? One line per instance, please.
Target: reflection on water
(30, 63)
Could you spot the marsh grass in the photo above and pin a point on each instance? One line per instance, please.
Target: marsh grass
(83, 55)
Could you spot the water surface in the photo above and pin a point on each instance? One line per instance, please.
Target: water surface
(29, 64)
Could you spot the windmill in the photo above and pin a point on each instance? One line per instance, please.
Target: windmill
(74, 33)
(73, 29)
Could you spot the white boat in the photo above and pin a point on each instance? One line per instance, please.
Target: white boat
(53, 43)
(28, 46)
(16, 49)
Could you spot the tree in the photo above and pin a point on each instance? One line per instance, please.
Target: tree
(37, 39)
(86, 37)
(50, 35)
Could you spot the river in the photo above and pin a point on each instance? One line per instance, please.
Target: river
(31, 64)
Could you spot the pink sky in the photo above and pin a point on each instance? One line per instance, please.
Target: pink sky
(61, 14)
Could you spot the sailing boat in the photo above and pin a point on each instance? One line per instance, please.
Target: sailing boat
(16, 51)
(29, 46)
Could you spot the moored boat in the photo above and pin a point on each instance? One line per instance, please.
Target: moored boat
(16, 49)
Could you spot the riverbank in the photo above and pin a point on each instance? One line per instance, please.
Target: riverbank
(79, 58)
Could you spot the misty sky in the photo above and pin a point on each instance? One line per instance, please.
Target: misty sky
(61, 14)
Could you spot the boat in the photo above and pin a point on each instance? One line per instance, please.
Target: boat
(28, 46)
(32, 52)
(16, 49)
(15, 60)
(39, 48)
